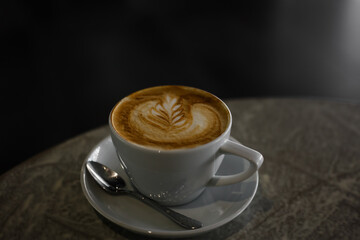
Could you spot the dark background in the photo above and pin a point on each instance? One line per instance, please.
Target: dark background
(64, 65)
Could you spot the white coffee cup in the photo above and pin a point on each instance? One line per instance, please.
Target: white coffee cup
(178, 176)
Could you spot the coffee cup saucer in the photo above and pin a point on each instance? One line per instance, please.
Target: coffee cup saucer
(215, 207)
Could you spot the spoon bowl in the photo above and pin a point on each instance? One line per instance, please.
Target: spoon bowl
(113, 183)
(108, 179)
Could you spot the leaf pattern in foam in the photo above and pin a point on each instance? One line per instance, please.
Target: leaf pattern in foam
(169, 112)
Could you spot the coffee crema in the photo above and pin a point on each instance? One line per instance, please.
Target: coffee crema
(170, 117)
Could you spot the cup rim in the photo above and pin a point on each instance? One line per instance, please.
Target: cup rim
(153, 149)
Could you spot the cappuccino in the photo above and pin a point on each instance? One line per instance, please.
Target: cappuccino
(170, 117)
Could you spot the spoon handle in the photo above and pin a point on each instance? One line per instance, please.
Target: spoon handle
(182, 220)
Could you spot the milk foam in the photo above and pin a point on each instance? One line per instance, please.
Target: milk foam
(175, 117)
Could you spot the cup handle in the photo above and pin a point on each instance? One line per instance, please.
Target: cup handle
(234, 148)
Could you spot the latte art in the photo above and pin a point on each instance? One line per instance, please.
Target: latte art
(167, 114)
(170, 117)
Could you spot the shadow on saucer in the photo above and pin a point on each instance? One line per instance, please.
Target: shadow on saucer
(240, 192)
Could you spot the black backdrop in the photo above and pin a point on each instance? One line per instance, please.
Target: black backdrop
(64, 65)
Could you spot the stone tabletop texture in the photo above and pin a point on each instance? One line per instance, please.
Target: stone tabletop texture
(309, 183)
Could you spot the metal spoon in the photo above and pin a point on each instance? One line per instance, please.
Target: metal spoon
(112, 182)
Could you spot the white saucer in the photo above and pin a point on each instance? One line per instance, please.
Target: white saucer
(215, 206)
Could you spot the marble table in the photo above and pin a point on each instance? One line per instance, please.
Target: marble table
(309, 184)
